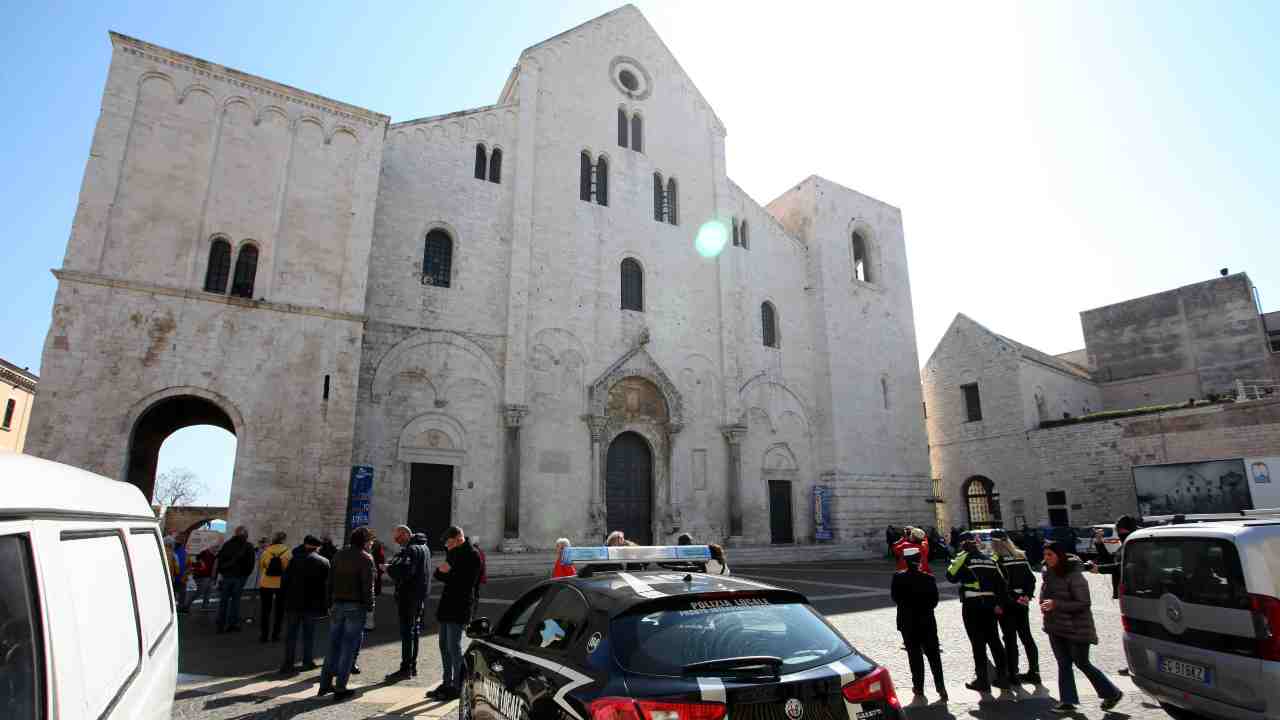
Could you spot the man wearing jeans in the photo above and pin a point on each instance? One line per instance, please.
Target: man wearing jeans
(410, 570)
(235, 564)
(351, 595)
(304, 593)
(460, 573)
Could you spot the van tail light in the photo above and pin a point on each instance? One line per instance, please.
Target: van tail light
(1266, 624)
(875, 685)
(625, 708)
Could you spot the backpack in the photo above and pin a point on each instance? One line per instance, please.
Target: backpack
(275, 567)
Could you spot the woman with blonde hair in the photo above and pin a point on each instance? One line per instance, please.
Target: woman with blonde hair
(1015, 619)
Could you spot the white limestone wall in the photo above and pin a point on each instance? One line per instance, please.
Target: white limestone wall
(1060, 392)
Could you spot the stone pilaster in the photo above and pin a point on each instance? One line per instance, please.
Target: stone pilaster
(596, 424)
(512, 416)
(733, 434)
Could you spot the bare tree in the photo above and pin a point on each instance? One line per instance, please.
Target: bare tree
(177, 486)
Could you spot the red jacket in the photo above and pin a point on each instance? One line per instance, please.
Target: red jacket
(562, 570)
(924, 553)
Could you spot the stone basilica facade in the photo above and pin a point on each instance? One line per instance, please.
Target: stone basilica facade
(500, 311)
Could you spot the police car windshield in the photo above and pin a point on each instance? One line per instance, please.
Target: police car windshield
(666, 640)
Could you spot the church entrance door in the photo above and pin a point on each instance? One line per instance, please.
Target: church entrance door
(430, 501)
(780, 530)
(629, 488)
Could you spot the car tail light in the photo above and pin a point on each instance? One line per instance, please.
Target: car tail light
(875, 685)
(1266, 623)
(1124, 623)
(624, 708)
(1120, 589)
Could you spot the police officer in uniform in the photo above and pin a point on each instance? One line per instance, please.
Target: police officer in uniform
(1015, 623)
(982, 587)
(915, 592)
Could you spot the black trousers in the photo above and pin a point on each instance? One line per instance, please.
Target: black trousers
(271, 612)
(980, 625)
(409, 614)
(1015, 626)
(922, 643)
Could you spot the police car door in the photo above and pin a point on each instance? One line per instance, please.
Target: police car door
(554, 653)
(498, 672)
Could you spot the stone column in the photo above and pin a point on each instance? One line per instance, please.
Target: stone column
(733, 434)
(512, 415)
(674, 513)
(596, 424)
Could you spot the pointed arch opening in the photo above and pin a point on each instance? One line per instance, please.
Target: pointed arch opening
(246, 271)
(219, 269)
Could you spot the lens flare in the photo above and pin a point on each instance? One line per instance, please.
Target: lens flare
(711, 238)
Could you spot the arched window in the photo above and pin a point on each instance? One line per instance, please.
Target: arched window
(602, 181)
(481, 161)
(982, 502)
(8, 413)
(742, 236)
(437, 259)
(215, 276)
(637, 133)
(671, 201)
(657, 197)
(495, 166)
(632, 285)
(737, 239)
(769, 324)
(584, 176)
(622, 127)
(246, 271)
(861, 261)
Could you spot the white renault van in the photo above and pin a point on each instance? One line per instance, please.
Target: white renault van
(87, 624)
(1200, 603)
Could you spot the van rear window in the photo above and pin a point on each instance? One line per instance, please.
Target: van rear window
(1200, 571)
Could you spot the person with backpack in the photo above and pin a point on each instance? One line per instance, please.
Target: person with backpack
(202, 571)
(410, 571)
(272, 564)
(235, 565)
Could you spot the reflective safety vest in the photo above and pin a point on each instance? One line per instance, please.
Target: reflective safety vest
(979, 577)
(1018, 575)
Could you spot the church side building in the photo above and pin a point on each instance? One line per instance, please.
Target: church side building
(500, 312)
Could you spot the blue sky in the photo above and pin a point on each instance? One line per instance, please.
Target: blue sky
(1048, 157)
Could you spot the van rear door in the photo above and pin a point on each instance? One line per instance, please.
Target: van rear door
(1187, 614)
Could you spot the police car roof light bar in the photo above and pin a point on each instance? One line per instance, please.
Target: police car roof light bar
(583, 556)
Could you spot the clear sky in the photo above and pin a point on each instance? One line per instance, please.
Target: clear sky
(1048, 157)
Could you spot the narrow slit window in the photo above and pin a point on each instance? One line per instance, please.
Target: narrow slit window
(657, 197)
(769, 324)
(9, 406)
(622, 127)
(585, 173)
(861, 264)
(246, 272)
(481, 161)
(326, 387)
(602, 181)
(215, 276)
(637, 133)
(737, 239)
(742, 236)
(495, 166)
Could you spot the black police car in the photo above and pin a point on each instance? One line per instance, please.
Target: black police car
(619, 643)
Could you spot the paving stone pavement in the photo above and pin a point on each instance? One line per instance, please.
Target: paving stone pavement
(231, 677)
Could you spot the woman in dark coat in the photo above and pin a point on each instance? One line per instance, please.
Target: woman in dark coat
(916, 594)
(1068, 620)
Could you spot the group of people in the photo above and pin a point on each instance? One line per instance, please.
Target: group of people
(301, 586)
(717, 565)
(997, 593)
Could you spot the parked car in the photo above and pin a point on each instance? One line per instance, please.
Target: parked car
(1200, 605)
(1084, 541)
(87, 623)
(1109, 538)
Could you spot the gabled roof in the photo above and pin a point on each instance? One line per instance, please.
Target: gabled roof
(1026, 351)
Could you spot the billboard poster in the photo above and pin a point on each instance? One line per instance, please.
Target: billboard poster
(1215, 486)
(822, 513)
(361, 496)
(1264, 481)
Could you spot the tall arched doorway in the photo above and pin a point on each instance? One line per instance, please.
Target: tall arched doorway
(160, 421)
(629, 488)
(983, 503)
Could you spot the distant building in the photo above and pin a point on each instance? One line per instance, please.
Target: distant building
(17, 393)
(1020, 436)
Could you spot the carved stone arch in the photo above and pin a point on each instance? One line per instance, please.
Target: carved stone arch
(778, 458)
(197, 88)
(241, 100)
(388, 366)
(272, 109)
(155, 75)
(341, 128)
(871, 245)
(433, 437)
(637, 363)
(763, 378)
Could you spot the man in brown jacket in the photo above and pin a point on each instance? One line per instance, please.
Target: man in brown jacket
(350, 596)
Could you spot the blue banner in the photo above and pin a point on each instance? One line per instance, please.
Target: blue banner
(822, 513)
(360, 497)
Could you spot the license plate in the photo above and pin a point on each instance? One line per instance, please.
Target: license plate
(1184, 669)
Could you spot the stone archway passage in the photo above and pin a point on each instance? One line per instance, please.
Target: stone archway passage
(982, 502)
(629, 488)
(158, 423)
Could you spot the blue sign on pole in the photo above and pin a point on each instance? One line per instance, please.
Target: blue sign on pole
(822, 513)
(360, 497)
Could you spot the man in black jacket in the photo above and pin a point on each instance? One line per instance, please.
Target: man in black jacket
(460, 573)
(916, 595)
(235, 564)
(305, 595)
(982, 587)
(410, 570)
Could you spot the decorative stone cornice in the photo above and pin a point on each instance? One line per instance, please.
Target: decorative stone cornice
(512, 415)
(18, 378)
(87, 278)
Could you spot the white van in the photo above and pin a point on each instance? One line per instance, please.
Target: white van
(87, 623)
